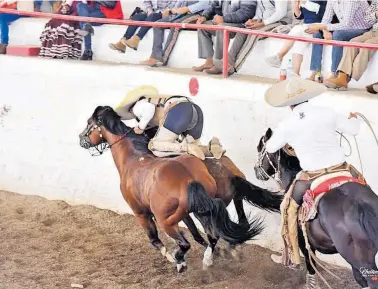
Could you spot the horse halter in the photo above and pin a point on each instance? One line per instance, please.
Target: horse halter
(262, 172)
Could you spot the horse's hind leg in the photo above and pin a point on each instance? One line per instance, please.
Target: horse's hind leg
(183, 246)
(149, 226)
(194, 231)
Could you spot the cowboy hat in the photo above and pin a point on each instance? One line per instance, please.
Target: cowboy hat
(123, 109)
(293, 91)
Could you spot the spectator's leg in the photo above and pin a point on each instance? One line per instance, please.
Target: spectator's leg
(157, 46)
(337, 51)
(316, 57)
(298, 50)
(82, 10)
(362, 60)
(132, 29)
(173, 35)
(5, 19)
(151, 18)
(37, 6)
(205, 48)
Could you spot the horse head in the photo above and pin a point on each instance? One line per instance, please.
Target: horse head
(104, 129)
(282, 166)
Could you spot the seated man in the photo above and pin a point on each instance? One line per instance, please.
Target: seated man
(6, 19)
(96, 9)
(154, 10)
(355, 60)
(174, 116)
(229, 13)
(269, 15)
(350, 14)
(311, 132)
(184, 12)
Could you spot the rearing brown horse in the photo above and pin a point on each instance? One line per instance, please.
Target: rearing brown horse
(164, 189)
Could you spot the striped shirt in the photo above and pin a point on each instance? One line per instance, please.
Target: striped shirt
(159, 5)
(370, 14)
(351, 14)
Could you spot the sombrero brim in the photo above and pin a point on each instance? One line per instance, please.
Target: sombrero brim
(123, 109)
(278, 97)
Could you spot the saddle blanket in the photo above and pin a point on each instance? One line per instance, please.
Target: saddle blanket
(319, 187)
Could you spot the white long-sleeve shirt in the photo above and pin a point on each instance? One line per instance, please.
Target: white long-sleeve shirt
(311, 131)
(144, 111)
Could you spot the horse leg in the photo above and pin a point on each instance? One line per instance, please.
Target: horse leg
(311, 280)
(240, 210)
(149, 227)
(188, 221)
(183, 246)
(207, 260)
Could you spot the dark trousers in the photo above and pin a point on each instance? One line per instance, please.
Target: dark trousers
(88, 11)
(143, 30)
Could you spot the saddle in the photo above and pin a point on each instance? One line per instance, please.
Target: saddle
(319, 187)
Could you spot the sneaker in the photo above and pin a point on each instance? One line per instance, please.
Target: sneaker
(274, 61)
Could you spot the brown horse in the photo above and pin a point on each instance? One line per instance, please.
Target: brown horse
(164, 190)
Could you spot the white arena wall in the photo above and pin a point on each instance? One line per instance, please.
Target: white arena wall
(49, 102)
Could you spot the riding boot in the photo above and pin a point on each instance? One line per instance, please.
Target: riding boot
(164, 144)
(292, 226)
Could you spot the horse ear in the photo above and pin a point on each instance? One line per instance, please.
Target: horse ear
(269, 133)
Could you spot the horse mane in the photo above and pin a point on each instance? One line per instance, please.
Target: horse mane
(112, 122)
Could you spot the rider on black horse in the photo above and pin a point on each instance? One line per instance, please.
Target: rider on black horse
(174, 116)
(311, 132)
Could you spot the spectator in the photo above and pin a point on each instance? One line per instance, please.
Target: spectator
(351, 24)
(6, 19)
(184, 12)
(97, 9)
(55, 5)
(310, 12)
(229, 13)
(155, 10)
(355, 60)
(61, 39)
(269, 15)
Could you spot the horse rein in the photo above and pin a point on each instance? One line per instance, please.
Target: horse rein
(277, 173)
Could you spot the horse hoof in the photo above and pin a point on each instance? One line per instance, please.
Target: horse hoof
(167, 255)
(207, 258)
(182, 267)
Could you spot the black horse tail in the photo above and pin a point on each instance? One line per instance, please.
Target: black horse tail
(220, 223)
(369, 221)
(256, 196)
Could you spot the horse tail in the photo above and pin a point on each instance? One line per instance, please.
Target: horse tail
(200, 203)
(369, 221)
(256, 196)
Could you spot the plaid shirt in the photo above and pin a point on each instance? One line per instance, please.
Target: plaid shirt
(159, 5)
(370, 14)
(351, 14)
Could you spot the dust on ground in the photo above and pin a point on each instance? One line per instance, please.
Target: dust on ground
(50, 244)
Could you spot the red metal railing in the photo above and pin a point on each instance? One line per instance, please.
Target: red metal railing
(226, 30)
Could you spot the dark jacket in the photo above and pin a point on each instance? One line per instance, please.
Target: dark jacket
(232, 11)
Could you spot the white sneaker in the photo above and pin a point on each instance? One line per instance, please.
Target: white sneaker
(274, 61)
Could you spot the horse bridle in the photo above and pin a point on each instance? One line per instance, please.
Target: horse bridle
(277, 173)
(103, 145)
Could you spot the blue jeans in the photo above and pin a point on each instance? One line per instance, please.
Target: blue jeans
(37, 4)
(143, 30)
(4, 28)
(88, 11)
(337, 51)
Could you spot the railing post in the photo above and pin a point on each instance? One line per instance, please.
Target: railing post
(226, 36)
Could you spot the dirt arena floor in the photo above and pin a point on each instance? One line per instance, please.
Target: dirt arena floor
(49, 244)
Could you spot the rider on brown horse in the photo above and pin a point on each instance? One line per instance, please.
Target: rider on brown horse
(311, 132)
(175, 116)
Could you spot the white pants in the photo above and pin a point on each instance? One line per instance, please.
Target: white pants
(299, 46)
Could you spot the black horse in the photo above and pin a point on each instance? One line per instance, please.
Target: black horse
(346, 223)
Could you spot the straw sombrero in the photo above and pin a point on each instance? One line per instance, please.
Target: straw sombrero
(293, 91)
(123, 109)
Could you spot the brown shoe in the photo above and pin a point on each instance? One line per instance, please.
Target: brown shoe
(339, 83)
(202, 67)
(133, 42)
(152, 62)
(372, 88)
(119, 46)
(3, 49)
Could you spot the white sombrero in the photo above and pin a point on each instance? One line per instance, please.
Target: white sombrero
(123, 109)
(293, 91)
